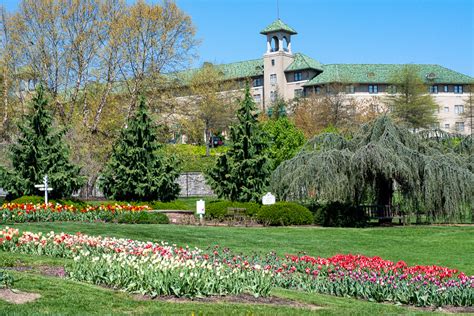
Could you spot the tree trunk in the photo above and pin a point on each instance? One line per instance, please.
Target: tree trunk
(206, 140)
(384, 196)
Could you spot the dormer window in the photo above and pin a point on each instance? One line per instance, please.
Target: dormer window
(298, 76)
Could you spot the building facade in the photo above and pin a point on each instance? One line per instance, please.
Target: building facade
(288, 75)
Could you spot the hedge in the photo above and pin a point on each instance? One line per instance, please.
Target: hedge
(218, 209)
(284, 214)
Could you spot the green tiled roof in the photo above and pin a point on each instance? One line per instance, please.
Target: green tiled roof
(278, 25)
(241, 69)
(381, 73)
(302, 62)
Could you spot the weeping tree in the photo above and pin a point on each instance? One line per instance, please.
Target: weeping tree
(381, 159)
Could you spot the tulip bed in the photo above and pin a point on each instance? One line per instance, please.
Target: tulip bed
(28, 212)
(161, 269)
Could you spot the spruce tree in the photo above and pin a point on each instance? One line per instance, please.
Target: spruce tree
(242, 173)
(138, 169)
(40, 150)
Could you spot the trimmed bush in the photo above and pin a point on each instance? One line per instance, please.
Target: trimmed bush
(218, 209)
(337, 214)
(175, 205)
(29, 199)
(142, 218)
(284, 214)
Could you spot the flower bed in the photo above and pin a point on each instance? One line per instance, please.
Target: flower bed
(161, 269)
(28, 212)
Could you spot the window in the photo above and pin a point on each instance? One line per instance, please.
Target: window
(257, 98)
(459, 126)
(435, 126)
(273, 62)
(317, 90)
(350, 89)
(373, 88)
(446, 126)
(258, 82)
(446, 109)
(446, 89)
(273, 79)
(457, 89)
(459, 109)
(433, 89)
(273, 96)
(298, 93)
(298, 76)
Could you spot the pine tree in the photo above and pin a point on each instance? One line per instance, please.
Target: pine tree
(39, 151)
(242, 173)
(138, 169)
(410, 103)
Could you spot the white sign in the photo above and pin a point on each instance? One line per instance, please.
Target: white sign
(200, 207)
(268, 199)
(44, 187)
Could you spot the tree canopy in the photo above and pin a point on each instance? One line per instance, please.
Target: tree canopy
(409, 101)
(40, 150)
(241, 174)
(138, 169)
(380, 159)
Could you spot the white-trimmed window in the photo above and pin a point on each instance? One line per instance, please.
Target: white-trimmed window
(434, 89)
(459, 126)
(257, 98)
(446, 125)
(258, 82)
(459, 109)
(445, 89)
(298, 93)
(373, 88)
(457, 89)
(273, 79)
(273, 96)
(350, 89)
(446, 109)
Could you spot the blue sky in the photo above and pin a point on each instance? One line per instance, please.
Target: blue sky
(338, 31)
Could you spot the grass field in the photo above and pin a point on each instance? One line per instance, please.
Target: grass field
(448, 246)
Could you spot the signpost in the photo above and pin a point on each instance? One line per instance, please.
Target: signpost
(268, 199)
(200, 209)
(44, 187)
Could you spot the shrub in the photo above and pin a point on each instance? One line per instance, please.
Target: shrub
(218, 209)
(6, 280)
(175, 205)
(337, 214)
(34, 199)
(284, 214)
(142, 218)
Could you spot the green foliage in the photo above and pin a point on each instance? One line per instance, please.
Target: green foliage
(410, 104)
(174, 205)
(34, 199)
(219, 209)
(241, 174)
(142, 218)
(6, 280)
(284, 214)
(381, 158)
(284, 140)
(138, 168)
(337, 214)
(193, 157)
(39, 151)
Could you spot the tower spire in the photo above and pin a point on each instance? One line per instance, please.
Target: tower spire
(278, 10)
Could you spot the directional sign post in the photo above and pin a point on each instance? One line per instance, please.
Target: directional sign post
(44, 187)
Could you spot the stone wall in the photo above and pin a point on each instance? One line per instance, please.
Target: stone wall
(193, 184)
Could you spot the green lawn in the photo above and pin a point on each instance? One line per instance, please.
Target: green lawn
(449, 246)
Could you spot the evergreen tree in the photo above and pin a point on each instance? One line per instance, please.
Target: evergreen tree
(241, 174)
(39, 151)
(138, 168)
(410, 102)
